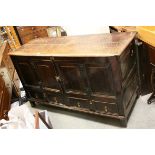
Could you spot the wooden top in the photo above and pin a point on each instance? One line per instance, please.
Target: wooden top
(109, 44)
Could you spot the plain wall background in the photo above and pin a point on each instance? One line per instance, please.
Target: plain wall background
(82, 30)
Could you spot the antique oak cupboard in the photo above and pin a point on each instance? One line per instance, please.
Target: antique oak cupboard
(95, 74)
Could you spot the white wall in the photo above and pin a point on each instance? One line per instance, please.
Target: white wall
(82, 30)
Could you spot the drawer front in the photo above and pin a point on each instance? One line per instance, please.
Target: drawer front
(80, 103)
(127, 60)
(104, 107)
(54, 98)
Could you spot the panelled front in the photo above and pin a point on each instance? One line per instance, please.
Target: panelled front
(73, 81)
(28, 76)
(49, 81)
(87, 81)
(95, 74)
(76, 82)
(100, 77)
(26, 72)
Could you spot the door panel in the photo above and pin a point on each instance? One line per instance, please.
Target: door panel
(100, 79)
(26, 71)
(71, 77)
(47, 75)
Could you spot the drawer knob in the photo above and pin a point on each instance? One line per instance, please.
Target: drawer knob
(57, 78)
(55, 100)
(91, 102)
(106, 109)
(78, 104)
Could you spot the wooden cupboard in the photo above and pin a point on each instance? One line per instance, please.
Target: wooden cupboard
(95, 74)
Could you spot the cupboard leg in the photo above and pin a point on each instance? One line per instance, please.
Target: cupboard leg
(123, 123)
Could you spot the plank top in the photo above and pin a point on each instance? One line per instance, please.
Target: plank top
(96, 45)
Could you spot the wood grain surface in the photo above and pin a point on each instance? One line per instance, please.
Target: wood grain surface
(78, 46)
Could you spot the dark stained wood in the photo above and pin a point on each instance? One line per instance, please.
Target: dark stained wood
(96, 84)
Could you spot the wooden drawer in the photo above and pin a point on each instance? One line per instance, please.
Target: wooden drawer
(79, 102)
(104, 107)
(127, 60)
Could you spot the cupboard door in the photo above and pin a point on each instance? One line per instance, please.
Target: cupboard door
(100, 79)
(72, 77)
(46, 72)
(50, 84)
(25, 71)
